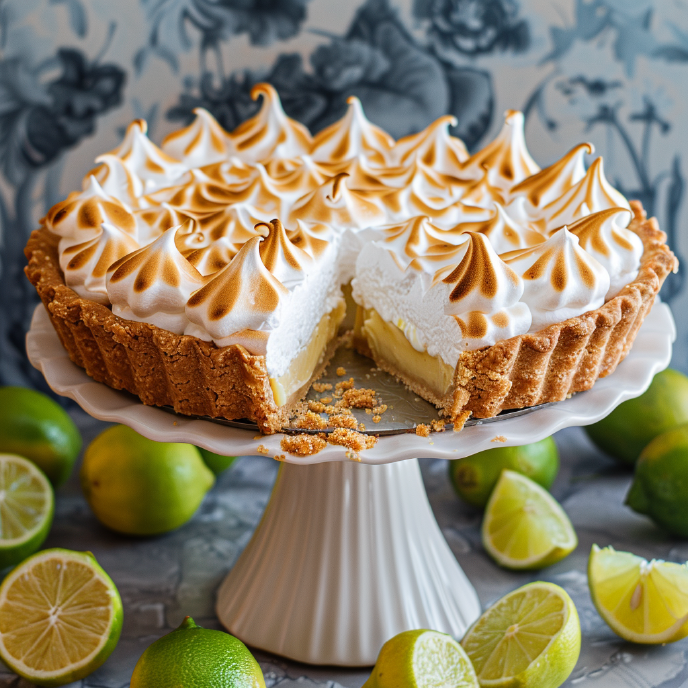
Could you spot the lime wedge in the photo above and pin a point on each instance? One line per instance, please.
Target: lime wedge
(530, 638)
(60, 617)
(642, 601)
(422, 659)
(26, 509)
(524, 526)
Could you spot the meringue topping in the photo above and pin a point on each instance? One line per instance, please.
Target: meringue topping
(154, 283)
(244, 295)
(116, 180)
(85, 265)
(213, 257)
(203, 142)
(506, 161)
(604, 236)
(481, 281)
(144, 160)
(434, 147)
(336, 204)
(548, 184)
(351, 136)
(270, 133)
(504, 233)
(81, 215)
(286, 261)
(590, 195)
(152, 222)
(561, 279)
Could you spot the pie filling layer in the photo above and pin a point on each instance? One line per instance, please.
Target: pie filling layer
(388, 343)
(301, 369)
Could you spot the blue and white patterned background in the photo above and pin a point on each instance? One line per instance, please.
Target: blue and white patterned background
(73, 73)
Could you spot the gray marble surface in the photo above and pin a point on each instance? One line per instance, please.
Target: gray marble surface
(165, 578)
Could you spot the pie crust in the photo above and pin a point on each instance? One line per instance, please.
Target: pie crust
(197, 378)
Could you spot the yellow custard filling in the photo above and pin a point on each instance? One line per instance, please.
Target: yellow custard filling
(303, 366)
(388, 343)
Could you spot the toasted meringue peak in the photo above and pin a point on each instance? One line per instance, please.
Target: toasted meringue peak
(481, 281)
(154, 283)
(85, 265)
(434, 147)
(232, 172)
(590, 195)
(154, 221)
(154, 168)
(238, 222)
(604, 236)
(270, 133)
(335, 203)
(203, 142)
(420, 245)
(116, 179)
(244, 295)
(561, 279)
(504, 233)
(313, 237)
(351, 136)
(81, 215)
(208, 259)
(552, 182)
(286, 261)
(506, 160)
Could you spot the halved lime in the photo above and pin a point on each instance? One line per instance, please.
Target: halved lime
(422, 659)
(60, 617)
(530, 638)
(27, 505)
(642, 601)
(524, 526)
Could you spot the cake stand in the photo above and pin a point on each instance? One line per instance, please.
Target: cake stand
(348, 552)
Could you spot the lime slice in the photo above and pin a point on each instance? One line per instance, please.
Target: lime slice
(530, 638)
(26, 509)
(60, 617)
(422, 659)
(642, 601)
(524, 526)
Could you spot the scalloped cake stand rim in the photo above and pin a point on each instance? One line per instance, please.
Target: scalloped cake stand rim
(651, 353)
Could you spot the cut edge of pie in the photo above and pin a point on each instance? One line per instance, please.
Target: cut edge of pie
(197, 378)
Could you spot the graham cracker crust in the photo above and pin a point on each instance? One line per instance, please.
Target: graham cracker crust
(198, 378)
(562, 359)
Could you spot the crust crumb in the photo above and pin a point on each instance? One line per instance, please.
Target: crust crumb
(359, 398)
(460, 420)
(340, 387)
(423, 430)
(438, 425)
(316, 407)
(321, 386)
(326, 400)
(279, 457)
(355, 441)
(379, 410)
(303, 445)
(376, 418)
(262, 449)
(343, 421)
(341, 371)
(499, 438)
(311, 421)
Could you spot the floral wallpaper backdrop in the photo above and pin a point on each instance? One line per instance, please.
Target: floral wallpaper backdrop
(73, 73)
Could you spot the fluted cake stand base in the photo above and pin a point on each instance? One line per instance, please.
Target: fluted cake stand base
(346, 556)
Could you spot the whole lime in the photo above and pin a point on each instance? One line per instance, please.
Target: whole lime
(216, 462)
(140, 487)
(195, 657)
(628, 429)
(660, 485)
(475, 476)
(32, 425)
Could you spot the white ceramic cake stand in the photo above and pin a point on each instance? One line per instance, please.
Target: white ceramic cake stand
(347, 553)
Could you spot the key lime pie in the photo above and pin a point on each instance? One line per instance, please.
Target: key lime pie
(213, 274)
